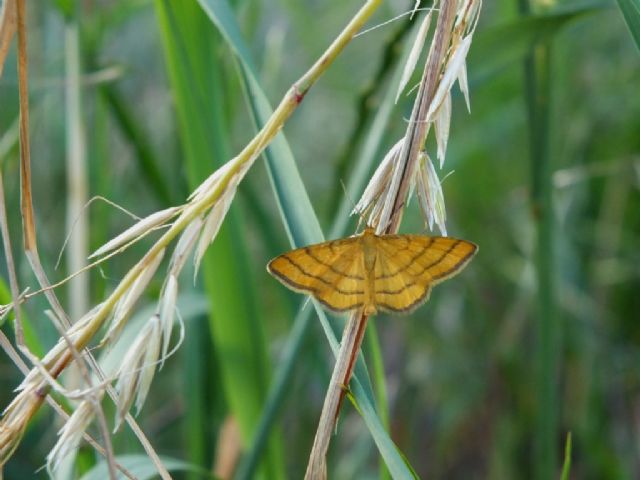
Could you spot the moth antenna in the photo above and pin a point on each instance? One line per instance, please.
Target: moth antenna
(447, 176)
(346, 194)
(361, 219)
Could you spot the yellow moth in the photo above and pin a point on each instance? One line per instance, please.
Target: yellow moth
(393, 273)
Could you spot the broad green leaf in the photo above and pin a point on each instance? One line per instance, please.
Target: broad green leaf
(631, 12)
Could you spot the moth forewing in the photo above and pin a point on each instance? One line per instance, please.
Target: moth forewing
(394, 273)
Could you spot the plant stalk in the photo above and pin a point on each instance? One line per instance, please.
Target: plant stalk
(197, 206)
(538, 88)
(349, 348)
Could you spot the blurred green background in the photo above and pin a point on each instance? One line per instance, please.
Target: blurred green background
(163, 105)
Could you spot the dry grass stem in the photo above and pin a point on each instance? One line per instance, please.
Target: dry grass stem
(349, 346)
(404, 168)
(7, 29)
(210, 202)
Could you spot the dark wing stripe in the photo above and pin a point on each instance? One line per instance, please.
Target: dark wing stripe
(339, 310)
(411, 260)
(395, 292)
(331, 267)
(314, 292)
(463, 261)
(310, 275)
(418, 301)
(424, 296)
(304, 272)
(439, 260)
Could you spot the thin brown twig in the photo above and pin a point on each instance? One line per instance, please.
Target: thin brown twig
(362, 326)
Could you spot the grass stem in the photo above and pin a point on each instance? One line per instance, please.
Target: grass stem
(538, 90)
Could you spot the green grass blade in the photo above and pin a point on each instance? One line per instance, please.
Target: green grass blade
(194, 68)
(502, 45)
(31, 338)
(566, 466)
(300, 220)
(395, 461)
(277, 392)
(295, 207)
(537, 85)
(148, 163)
(372, 345)
(631, 13)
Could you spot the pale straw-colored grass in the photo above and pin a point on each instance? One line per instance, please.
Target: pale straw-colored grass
(194, 225)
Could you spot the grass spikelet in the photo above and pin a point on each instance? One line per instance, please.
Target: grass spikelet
(125, 305)
(451, 73)
(185, 246)
(167, 310)
(71, 433)
(15, 419)
(212, 226)
(138, 230)
(414, 54)
(138, 369)
(441, 127)
(430, 196)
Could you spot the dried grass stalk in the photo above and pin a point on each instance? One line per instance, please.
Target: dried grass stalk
(210, 200)
(404, 166)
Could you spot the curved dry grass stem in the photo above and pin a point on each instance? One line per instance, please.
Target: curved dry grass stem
(203, 200)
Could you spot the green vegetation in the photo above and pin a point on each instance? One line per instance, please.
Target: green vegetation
(526, 365)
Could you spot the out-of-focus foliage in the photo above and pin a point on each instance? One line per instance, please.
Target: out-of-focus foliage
(459, 371)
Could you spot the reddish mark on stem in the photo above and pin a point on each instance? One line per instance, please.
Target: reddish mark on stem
(362, 324)
(298, 95)
(42, 392)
